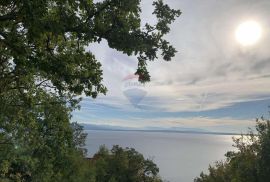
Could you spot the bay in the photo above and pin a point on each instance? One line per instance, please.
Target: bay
(180, 156)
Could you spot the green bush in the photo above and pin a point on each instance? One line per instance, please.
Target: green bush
(249, 163)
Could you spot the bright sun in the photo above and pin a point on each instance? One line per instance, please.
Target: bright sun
(248, 33)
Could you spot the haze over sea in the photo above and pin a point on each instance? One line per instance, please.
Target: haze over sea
(180, 156)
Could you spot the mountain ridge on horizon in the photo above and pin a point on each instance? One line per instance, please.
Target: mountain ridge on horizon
(88, 126)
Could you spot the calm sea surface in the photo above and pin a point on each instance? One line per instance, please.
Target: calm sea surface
(180, 156)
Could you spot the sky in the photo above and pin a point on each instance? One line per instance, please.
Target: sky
(214, 83)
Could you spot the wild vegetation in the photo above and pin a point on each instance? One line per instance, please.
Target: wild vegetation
(120, 164)
(45, 68)
(249, 163)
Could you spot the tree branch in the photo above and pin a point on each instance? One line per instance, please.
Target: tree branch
(10, 16)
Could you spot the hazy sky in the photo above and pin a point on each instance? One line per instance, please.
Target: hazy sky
(213, 83)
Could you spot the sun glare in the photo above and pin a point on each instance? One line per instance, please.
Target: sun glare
(248, 33)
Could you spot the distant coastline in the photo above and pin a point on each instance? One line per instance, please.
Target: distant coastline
(122, 129)
(168, 131)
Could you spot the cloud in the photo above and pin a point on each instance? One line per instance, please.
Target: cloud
(210, 72)
(209, 95)
(209, 62)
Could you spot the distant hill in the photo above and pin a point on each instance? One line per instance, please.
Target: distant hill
(153, 129)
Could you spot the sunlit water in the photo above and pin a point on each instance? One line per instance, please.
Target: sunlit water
(180, 156)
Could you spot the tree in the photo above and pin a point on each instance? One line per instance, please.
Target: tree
(38, 143)
(44, 41)
(122, 165)
(251, 161)
(44, 68)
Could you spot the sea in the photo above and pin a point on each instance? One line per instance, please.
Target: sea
(180, 156)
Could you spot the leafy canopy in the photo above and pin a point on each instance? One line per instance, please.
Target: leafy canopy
(45, 66)
(249, 163)
(121, 165)
(45, 40)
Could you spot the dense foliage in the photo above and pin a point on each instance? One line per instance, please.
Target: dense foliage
(45, 67)
(122, 165)
(249, 163)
